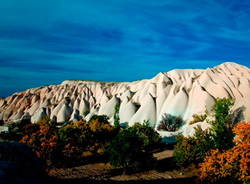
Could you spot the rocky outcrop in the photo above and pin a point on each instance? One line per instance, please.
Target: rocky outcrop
(177, 92)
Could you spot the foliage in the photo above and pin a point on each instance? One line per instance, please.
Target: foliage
(15, 132)
(198, 118)
(74, 138)
(100, 118)
(231, 165)
(85, 113)
(102, 131)
(193, 149)
(150, 137)
(222, 125)
(116, 116)
(170, 123)
(80, 139)
(44, 142)
(130, 148)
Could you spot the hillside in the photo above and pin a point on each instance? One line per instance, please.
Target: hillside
(177, 92)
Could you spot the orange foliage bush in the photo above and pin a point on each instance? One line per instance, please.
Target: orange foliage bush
(81, 137)
(231, 165)
(44, 142)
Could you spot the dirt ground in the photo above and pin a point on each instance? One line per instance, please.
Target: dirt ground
(164, 172)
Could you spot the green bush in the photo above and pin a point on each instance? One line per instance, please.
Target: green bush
(116, 116)
(170, 123)
(151, 138)
(130, 149)
(222, 125)
(101, 118)
(193, 149)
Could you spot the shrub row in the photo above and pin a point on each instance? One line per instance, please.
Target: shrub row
(77, 142)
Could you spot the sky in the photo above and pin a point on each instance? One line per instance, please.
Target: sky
(45, 42)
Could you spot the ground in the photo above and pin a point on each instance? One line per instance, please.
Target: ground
(165, 172)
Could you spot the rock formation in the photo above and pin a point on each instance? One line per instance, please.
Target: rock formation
(177, 92)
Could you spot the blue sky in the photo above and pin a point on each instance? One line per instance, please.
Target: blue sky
(45, 42)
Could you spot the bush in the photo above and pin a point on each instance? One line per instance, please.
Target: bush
(151, 138)
(102, 131)
(44, 142)
(81, 139)
(193, 149)
(130, 148)
(190, 150)
(170, 123)
(74, 138)
(15, 131)
(222, 125)
(198, 118)
(230, 166)
(116, 116)
(100, 118)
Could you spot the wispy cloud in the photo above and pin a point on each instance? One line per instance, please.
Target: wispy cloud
(46, 41)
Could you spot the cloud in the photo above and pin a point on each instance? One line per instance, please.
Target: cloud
(107, 40)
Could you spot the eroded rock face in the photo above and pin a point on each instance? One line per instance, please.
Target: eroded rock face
(177, 92)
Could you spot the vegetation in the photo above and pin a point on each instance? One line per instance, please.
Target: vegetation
(15, 131)
(85, 113)
(198, 118)
(230, 166)
(116, 116)
(43, 140)
(101, 118)
(222, 152)
(70, 143)
(170, 123)
(193, 149)
(222, 125)
(131, 147)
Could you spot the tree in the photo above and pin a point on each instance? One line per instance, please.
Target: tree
(131, 147)
(116, 116)
(230, 166)
(193, 149)
(222, 125)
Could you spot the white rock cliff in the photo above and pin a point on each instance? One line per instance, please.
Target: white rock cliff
(177, 92)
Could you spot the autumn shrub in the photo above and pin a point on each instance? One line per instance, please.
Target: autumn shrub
(81, 139)
(44, 141)
(74, 138)
(170, 123)
(192, 150)
(130, 148)
(198, 118)
(102, 132)
(233, 165)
